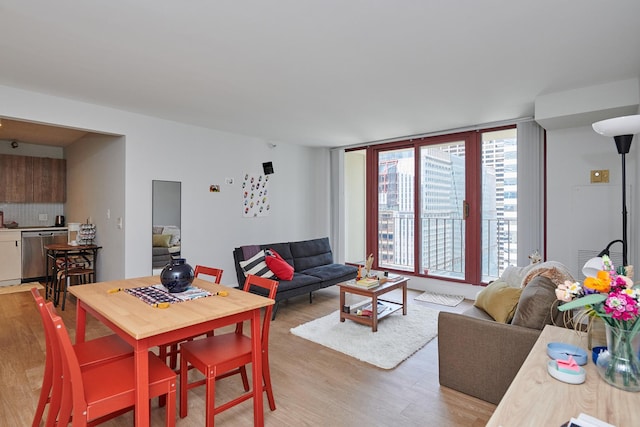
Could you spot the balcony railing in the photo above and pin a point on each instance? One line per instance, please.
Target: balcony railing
(443, 245)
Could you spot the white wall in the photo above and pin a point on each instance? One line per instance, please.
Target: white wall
(95, 184)
(212, 222)
(590, 215)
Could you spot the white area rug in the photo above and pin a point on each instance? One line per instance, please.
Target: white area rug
(398, 336)
(19, 288)
(448, 300)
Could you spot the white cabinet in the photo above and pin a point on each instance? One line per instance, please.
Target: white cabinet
(10, 257)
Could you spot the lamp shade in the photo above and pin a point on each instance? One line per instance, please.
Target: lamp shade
(625, 125)
(592, 267)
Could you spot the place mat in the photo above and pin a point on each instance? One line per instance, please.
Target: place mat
(448, 300)
(157, 294)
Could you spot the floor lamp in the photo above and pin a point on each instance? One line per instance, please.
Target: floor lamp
(622, 130)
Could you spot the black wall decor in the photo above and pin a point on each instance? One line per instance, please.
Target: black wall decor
(267, 167)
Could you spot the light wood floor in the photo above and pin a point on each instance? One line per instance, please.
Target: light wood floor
(313, 385)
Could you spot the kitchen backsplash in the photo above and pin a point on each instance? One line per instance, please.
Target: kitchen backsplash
(28, 214)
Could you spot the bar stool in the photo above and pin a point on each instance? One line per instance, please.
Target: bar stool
(82, 276)
(79, 267)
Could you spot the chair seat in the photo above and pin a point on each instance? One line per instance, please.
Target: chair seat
(102, 385)
(101, 349)
(218, 349)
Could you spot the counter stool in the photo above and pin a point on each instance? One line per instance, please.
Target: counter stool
(82, 276)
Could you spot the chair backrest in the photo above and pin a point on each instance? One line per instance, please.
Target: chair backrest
(272, 287)
(209, 271)
(53, 366)
(73, 399)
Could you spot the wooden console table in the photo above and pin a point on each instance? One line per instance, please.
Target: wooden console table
(534, 398)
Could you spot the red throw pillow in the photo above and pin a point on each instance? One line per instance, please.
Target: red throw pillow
(281, 268)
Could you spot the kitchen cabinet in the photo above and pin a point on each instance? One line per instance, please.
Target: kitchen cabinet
(49, 180)
(28, 179)
(10, 257)
(16, 178)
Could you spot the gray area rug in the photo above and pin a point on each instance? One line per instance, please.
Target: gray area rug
(448, 300)
(398, 336)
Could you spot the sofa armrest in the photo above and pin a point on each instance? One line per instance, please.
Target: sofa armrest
(481, 357)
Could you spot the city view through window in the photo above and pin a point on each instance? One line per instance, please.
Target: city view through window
(441, 197)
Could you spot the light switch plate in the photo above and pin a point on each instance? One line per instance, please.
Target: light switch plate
(43, 217)
(600, 176)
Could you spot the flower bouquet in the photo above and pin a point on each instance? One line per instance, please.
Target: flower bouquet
(611, 296)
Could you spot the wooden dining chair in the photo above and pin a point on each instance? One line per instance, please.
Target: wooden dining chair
(92, 396)
(89, 353)
(172, 350)
(224, 355)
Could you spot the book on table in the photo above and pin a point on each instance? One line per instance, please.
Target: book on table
(367, 310)
(367, 282)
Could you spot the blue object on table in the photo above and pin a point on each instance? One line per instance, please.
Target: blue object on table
(595, 352)
(562, 351)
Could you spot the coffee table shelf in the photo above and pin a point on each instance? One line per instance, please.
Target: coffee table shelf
(372, 295)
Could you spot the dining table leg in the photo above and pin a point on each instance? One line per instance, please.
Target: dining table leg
(142, 415)
(81, 325)
(258, 410)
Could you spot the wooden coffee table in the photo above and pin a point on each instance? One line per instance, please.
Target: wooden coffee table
(374, 294)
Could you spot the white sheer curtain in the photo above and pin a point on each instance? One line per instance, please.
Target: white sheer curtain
(530, 190)
(337, 222)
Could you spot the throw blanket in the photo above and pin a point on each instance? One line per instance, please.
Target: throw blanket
(552, 270)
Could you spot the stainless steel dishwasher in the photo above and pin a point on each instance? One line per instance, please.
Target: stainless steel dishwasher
(34, 254)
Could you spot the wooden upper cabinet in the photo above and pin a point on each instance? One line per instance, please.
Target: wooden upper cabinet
(16, 183)
(25, 179)
(49, 180)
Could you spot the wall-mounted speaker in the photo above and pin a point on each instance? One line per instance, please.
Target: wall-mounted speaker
(267, 167)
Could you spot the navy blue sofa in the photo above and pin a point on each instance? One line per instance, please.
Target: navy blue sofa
(313, 265)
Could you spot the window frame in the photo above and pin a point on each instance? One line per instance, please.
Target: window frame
(473, 199)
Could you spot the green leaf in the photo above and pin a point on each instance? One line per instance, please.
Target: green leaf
(581, 302)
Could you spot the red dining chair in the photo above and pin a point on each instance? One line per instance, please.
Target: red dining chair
(172, 350)
(104, 391)
(89, 353)
(224, 355)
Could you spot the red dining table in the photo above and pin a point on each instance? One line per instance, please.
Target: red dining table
(144, 326)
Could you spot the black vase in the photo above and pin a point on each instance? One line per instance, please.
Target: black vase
(177, 276)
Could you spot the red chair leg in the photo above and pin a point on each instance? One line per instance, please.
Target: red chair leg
(266, 375)
(245, 379)
(210, 399)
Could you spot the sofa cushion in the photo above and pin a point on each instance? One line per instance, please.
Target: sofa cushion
(280, 267)
(330, 271)
(299, 281)
(310, 253)
(161, 240)
(283, 250)
(538, 305)
(257, 266)
(499, 300)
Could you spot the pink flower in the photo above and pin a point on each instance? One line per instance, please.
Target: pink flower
(621, 306)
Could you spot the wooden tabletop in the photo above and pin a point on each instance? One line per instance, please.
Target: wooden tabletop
(141, 320)
(68, 247)
(536, 399)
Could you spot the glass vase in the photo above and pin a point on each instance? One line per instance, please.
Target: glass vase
(620, 365)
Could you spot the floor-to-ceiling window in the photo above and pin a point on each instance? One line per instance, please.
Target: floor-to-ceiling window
(443, 206)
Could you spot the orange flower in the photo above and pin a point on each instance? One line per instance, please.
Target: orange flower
(601, 284)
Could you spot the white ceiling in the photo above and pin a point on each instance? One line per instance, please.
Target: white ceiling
(318, 72)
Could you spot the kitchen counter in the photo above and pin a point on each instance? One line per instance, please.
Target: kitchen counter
(35, 228)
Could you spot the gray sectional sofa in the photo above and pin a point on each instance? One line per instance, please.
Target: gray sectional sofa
(480, 356)
(313, 265)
